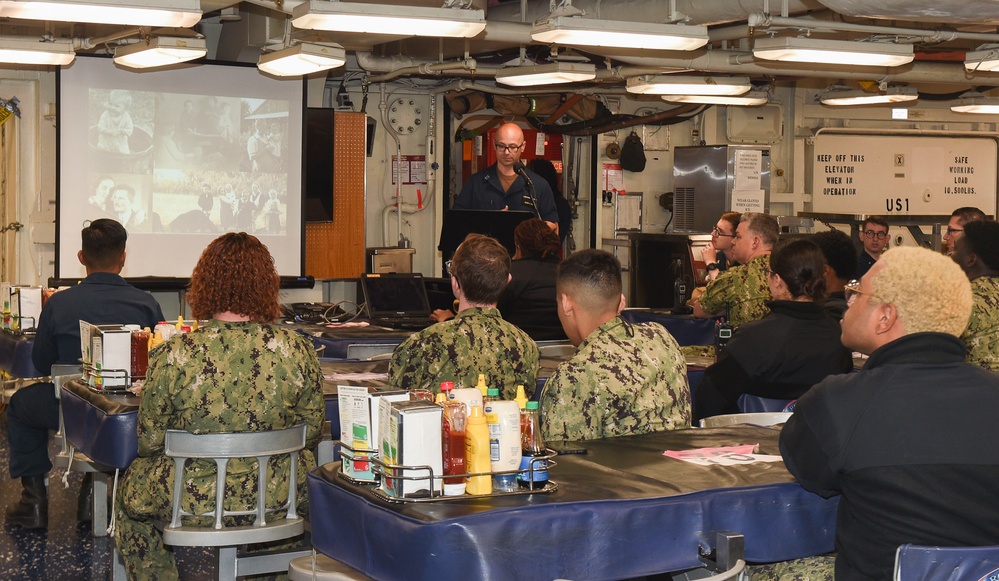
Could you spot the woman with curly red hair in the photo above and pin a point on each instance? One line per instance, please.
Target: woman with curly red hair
(237, 373)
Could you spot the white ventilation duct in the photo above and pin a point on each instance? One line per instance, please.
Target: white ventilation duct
(974, 12)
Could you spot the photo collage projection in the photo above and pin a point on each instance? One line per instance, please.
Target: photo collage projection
(187, 163)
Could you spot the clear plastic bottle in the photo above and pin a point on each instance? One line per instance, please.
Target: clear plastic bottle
(453, 440)
(139, 352)
(468, 396)
(492, 394)
(477, 453)
(534, 472)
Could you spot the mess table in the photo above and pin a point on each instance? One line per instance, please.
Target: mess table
(102, 425)
(15, 355)
(621, 510)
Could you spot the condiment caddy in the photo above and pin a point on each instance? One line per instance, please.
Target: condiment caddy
(425, 473)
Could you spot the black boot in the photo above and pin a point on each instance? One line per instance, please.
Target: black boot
(85, 503)
(32, 511)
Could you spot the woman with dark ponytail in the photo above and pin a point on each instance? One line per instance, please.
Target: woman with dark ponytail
(784, 354)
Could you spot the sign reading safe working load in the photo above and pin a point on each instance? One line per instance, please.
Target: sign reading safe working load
(894, 175)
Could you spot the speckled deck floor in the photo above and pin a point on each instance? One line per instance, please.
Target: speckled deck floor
(68, 551)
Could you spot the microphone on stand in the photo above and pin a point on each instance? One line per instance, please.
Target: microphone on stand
(521, 169)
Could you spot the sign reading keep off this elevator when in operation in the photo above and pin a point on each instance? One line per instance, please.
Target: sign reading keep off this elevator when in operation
(889, 175)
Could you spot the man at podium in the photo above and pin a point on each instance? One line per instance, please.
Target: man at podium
(508, 184)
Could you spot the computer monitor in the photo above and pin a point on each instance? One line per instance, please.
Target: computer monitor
(439, 293)
(460, 223)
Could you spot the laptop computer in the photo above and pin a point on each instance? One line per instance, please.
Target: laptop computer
(397, 300)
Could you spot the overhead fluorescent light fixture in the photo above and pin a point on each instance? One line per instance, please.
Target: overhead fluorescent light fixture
(833, 52)
(847, 97)
(25, 51)
(573, 30)
(546, 74)
(750, 99)
(300, 59)
(176, 13)
(688, 85)
(985, 59)
(973, 102)
(388, 19)
(160, 51)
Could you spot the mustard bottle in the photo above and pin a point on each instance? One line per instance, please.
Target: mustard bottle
(481, 385)
(477, 459)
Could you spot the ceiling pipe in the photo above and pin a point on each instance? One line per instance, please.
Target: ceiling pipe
(728, 33)
(464, 84)
(94, 42)
(721, 61)
(389, 68)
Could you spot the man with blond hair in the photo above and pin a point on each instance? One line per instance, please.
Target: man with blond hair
(909, 441)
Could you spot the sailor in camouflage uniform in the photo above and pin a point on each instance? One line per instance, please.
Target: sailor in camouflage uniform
(477, 340)
(235, 374)
(742, 290)
(977, 253)
(625, 378)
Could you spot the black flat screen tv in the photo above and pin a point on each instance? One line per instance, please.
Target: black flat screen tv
(318, 171)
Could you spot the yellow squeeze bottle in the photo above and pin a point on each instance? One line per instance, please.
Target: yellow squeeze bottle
(521, 397)
(180, 322)
(481, 385)
(477, 460)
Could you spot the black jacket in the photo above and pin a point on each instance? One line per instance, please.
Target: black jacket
(780, 356)
(910, 444)
(529, 300)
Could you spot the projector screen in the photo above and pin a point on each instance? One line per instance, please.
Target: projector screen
(179, 157)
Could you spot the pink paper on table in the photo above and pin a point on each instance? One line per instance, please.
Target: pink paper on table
(724, 456)
(710, 452)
